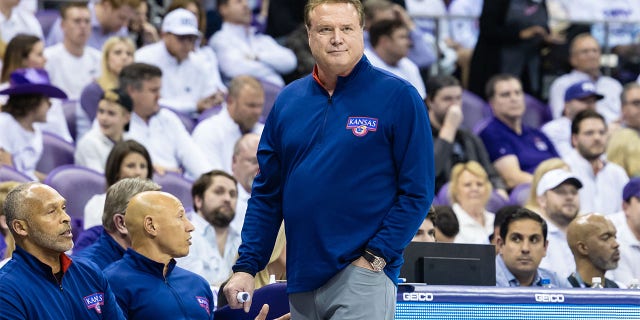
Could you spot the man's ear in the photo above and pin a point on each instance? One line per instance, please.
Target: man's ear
(20, 227)
(149, 226)
(197, 202)
(118, 222)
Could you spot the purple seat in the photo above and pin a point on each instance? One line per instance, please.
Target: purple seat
(176, 185)
(69, 108)
(271, 91)
(8, 173)
(443, 195)
(209, 112)
(87, 238)
(188, 122)
(537, 112)
(474, 109)
(275, 295)
(56, 152)
(520, 194)
(47, 18)
(77, 185)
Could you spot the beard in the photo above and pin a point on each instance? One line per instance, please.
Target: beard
(50, 241)
(219, 217)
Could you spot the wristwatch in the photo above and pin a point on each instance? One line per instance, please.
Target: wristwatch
(377, 263)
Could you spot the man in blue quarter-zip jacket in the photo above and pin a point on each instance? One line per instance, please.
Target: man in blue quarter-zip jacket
(40, 281)
(146, 281)
(346, 159)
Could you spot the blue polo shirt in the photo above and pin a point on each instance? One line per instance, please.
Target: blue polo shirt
(103, 252)
(531, 146)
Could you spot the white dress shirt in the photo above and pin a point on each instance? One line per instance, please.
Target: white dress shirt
(93, 211)
(471, 231)
(71, 73)
(559, 257)
(601, 192)
(216, 137)
(241, 209)
(20, 21)
(93, 149)
(184, 83)
(629, 251)
(204, 256)
(25, 146)
(169, 143)
(559, 132)
(242, 51)
(404, 69)
(610, 88)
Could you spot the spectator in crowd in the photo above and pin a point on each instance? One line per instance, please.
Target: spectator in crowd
(159, 232)
(41, 281)
(627, 223)
(584, 56)
(558, 200)
(216, 135)
(15, 20)
(243, 51)
(592, 239)
(127, 159)
(446, 225)
(531, 202)
(522, 245)
(420, 52)
(244, 166)
(114, 239)
(624, 144)
(114, 113)
(602, 180)
(515, 149)
(501, 214)
(192, 86)
(108, 18)
(579, 96)
(140, 29)
(117, 53)
(390, 45)
(215, 245)
(7, 244)
(510, 39)
(376, 106)
(469, 191)
(159, 130)
(73, 51)
(26, 51)
(427, 230)
(20, 133)
(452, 143)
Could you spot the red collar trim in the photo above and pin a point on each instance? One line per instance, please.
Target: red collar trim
(65, 262)
(316, 77)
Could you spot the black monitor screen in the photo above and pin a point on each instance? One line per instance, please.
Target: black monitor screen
(449, 264)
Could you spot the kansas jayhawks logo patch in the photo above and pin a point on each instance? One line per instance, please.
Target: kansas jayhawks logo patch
(204, 302)
(360, 126)
(94, 301)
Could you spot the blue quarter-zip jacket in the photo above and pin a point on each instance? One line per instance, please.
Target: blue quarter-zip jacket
(143, 292)
(29, 290)
(347, 172)
(103, 252)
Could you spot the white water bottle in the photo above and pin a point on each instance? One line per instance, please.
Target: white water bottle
(596, 282)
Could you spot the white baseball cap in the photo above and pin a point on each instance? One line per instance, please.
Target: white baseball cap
(555, 178)
(181, 22)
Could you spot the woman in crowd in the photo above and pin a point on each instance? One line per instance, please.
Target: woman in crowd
(469, 191)
(128, 159)
(114, 113)
(117, 53)
(26, 109)
(26, 51)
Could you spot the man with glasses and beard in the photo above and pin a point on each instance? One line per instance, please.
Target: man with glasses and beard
(214, 244)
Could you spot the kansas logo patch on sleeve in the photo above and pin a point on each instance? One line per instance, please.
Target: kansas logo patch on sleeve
(94, 301)
(360, 126)
(204, 303)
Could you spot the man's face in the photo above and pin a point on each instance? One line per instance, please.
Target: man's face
(335, 37)
(245, 164)
(632, 212)
(116, 18)
(112, 118)
(218, 203)
(602, 245)
(77, 25)
(443, 100)
(631, 108)
(48, 224)
(573, 107)
(398, 43)
(179, 46)
(508, 100)
(237, 12)
(523, 248)
(246, 108)
(561, 204)
(426, 232)
(174, 229)
(585, 56)
(145, 100)
(591, 139)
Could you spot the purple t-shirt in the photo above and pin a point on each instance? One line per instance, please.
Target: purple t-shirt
(531, 147)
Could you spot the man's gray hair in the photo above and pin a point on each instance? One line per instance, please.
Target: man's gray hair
(118, 196)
